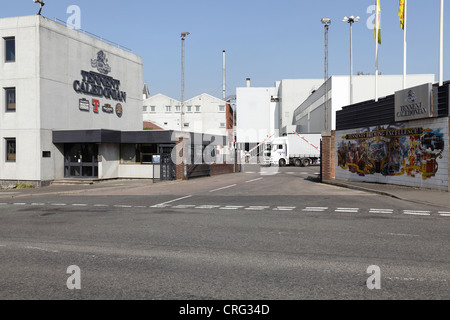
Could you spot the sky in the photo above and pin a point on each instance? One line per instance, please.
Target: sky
(265, 40)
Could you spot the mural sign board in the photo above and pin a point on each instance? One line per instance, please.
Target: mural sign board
(414, 103)
(392, 151)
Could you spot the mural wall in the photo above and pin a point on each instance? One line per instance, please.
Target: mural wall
(399, 154)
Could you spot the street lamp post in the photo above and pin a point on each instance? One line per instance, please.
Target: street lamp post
(326, 22)
(183, 37)
(351, 20)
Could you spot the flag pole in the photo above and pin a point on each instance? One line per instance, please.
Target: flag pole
(441, 46)
(404, 42)
(377, 22)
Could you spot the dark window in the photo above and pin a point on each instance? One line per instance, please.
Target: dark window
(10, 150)
(10, 49)
(10, 94)
(46, 154)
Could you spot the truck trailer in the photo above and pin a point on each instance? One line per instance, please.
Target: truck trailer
(300, 150)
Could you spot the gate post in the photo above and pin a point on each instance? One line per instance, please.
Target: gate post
(328, 156)
(181, 153)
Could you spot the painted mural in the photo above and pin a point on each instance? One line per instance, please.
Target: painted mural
(392, 151)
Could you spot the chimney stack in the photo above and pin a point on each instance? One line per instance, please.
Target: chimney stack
(248, 83)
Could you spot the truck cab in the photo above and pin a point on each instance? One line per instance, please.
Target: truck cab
(276, 152)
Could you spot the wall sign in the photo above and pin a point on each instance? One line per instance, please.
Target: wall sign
(119, 110)
(414, 103)
(84, 105)
(99, 84)
(107, 108)
(392, 152)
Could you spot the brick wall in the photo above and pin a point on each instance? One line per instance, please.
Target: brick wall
(217, 169)
(328, 156)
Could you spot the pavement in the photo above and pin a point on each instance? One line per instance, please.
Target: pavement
(410, 194)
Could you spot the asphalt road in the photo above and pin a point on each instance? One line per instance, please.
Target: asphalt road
(259, 235)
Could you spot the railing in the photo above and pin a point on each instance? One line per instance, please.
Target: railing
(94, 35)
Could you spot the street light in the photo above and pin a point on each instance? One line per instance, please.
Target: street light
(183, 37)
(351, 20)
(326, 22)
(42, 3)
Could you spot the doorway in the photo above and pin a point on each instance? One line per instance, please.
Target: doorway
(81, 160)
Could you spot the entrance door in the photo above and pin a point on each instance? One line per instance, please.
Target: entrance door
(168, 168)
(81, 160)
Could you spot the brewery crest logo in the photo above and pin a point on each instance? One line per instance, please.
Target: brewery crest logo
(119, 110)
(101, 63)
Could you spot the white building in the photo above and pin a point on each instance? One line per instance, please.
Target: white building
(65, 101)
(264, 112)
(202, 114)
(309, 117)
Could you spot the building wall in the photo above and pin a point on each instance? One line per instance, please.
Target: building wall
(49, 58)
(208, 120)
(410, 159)
(292, 92)
(254, 120)
(311, 113)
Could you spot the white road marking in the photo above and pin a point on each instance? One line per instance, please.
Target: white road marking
(207, 207)
(231, 207)
(123, 206)
(257, 208)
(223, 188)
(79, 205)
(140, 206)
(163, 205)
(315, 209)
(59, 204)
(254, 180)
(444, 214)
(19, 204)
(417, 213)
(381, 211)
(184, 206)
(38, 204)
(284, 208)
(348, 210)
(100, 205)
(3, 204)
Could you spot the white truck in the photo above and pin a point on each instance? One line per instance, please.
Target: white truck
(300, 150)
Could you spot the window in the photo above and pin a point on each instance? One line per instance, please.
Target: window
(10, 49)
(138, 153)
(189, 108)
(168, 108)
(145, 109)
(152, 109)
(11, 149)
(186, 125)
(197, 108)
(221, 108)
(10, 94)
(177, 109)
(222, 124)
(46, 154)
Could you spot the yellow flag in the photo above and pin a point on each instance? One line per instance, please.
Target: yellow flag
(401, 14)
(378, 22)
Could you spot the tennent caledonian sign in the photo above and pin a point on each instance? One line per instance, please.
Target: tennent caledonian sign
(100, 85)
(414, 103)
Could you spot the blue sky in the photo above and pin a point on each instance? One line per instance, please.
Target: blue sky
(265, 40)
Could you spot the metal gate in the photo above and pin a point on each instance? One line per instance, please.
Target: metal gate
(168, 168)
